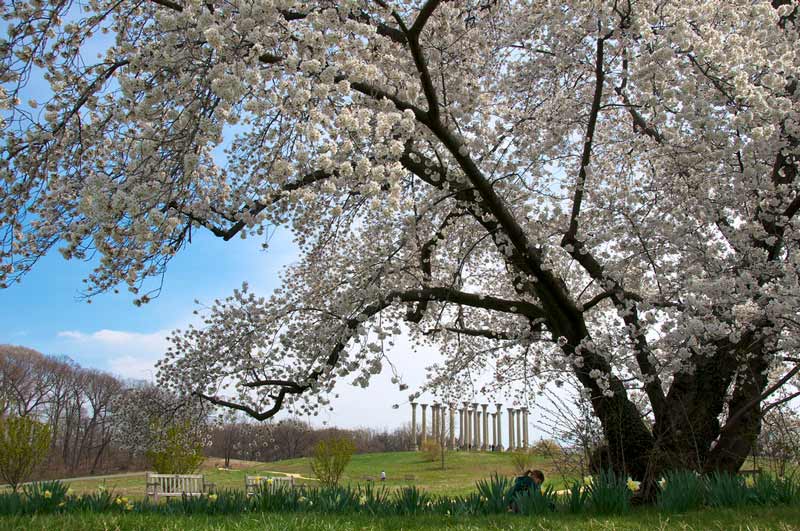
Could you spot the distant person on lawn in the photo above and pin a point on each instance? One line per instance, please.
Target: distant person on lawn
(383, 475)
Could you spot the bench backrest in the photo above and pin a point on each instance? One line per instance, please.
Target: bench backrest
(177, 483)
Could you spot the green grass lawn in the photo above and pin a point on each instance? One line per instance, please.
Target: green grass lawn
(750, 519)
(461, 471)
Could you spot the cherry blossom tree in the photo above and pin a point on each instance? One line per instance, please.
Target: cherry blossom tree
(602, 188)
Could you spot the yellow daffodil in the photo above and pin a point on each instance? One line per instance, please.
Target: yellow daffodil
(212, 497)
(48, 494)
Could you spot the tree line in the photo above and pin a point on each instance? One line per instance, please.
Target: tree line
(96, 424)
(287, 439)
(74, 401)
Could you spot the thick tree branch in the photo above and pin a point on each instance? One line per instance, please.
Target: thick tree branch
(441, 294)
(419, 58)
(256, 208)
(777, 403)
(736, 416)
(587, 143)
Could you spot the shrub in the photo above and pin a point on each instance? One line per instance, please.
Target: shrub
(431, 450)
(330, 459)
(546, 447)
(24, 443)
(178, 452)
(609, 493)
(683, 491)
(494, 493)
(728, 490)
(522, 460)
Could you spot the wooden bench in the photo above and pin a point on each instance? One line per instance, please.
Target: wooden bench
(253, 484)
(172, 485)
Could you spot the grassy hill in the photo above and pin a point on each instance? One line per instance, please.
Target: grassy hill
(461, 471)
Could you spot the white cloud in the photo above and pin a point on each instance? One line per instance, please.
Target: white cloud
(127, 354)
(133, 367)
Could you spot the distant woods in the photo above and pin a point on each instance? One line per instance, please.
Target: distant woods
(90, 425)
(73, 401)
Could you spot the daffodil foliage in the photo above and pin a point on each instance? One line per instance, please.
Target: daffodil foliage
(606, 189)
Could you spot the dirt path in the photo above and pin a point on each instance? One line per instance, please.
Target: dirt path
(290, 474)
(87, 478)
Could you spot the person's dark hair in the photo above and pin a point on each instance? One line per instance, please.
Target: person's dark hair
(537, 474)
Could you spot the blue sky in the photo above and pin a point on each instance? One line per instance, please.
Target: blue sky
(47, 312)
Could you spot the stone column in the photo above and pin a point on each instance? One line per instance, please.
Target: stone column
(494, 431)
(485, 445)
(434, 411)
(452, 443)
(479, 442)
(414, 426)
(525, 427)
(424, 437)
(510, 428)
(498, 443)
(463, 421)
(476, 427)
(461, 427)
(468, 427)
(441, 424)
(518, 414)
(442, 427)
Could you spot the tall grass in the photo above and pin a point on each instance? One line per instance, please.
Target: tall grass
(410, 501)
(683, 491)
(772, 490)
(494, 493)
(728, 490)
(575, 499)
(609, 493)
(536, 501)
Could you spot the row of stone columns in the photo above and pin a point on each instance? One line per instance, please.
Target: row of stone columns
(473, 427)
